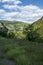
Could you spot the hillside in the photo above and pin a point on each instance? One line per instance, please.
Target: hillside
(38, 23)
(39, 26)
(14, 24)
(36, 30)
(16, 27)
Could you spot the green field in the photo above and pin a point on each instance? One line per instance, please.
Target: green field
(21, 52)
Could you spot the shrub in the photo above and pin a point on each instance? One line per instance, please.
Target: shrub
(3, 33)
(10, 35)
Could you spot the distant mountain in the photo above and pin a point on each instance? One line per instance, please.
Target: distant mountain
(10, 22)
(14, 24)
(16, 27)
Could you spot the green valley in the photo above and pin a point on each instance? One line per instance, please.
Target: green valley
(21, 43)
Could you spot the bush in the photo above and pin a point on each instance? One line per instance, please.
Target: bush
(3, 33)
(33, 35)
(10, 35)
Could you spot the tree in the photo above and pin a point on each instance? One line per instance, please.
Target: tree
(32, 34)
(10, 35)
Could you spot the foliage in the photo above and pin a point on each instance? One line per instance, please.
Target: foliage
(22, 52)
(10, 35)
(3, 33)
(35, 31)
(33, 35)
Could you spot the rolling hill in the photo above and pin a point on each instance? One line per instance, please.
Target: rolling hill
(38, 25)
(14, 24)
(16, 27)
(36, 30)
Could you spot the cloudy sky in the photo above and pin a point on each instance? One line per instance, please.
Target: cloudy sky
(21, 10)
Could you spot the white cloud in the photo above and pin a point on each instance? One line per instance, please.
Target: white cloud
(27, 13)
(11, 7)
(1, 11)
(11, 1)
(10, 14)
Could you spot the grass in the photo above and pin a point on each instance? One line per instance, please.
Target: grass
(22, 52)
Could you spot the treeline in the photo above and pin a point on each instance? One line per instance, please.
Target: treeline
(8, 34)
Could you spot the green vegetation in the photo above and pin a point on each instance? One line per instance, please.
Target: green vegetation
(21, 52)
(22, 44)
(38, 25)
(35, 31)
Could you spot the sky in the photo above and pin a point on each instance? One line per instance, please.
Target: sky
(21, 10)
